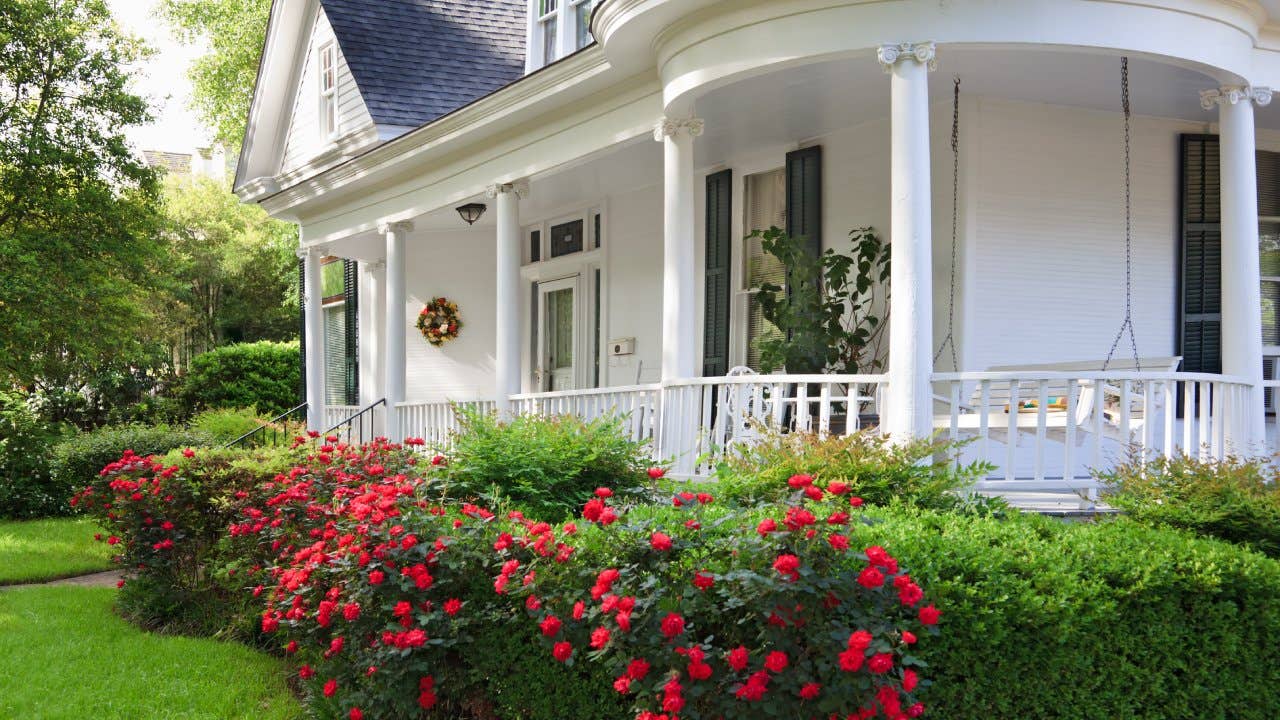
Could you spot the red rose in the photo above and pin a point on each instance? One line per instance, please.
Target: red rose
(766, 526)
(330, 687)
(813, 492)
(839, 542)
(376, 577)
(870, 578)
(738, 658)
(562, 651)
(604, 492)
(703, 581)
(637, 669)
(851, 660)
(916, 710)
(799, 481)
(660, 542)
(351, 611)
(306, 673)
(880, 663)
(909, 680)
(599, 638)
(908, 638)
(656, 472)
(776, 661)
(859, 640)
(810, 690)
(578, 609)
(837, 487)
(550, 626)
(672, 625)
(452, 606)
(855, 501)
(788, 566)
(929, 615)
(622, 684)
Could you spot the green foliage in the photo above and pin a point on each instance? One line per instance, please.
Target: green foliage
(222, 80)
(263, 375)
(877, 470)
(225, 425)
(829, 315)
(1235, 499)
(65, 654)
(77, 206)
(27, 487)
(232, 265)
(77, 461)
(547, 466)
(44, 550)
(1045, 619)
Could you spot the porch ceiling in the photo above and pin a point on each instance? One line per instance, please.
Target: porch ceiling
(810, 100)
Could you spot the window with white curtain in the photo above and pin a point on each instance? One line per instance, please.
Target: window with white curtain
(765, 200)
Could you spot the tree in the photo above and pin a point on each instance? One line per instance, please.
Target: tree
(233, 267)
(77, 207)
(223, 79)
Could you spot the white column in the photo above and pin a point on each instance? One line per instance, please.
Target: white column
(910, 398)
(679, 251)
(1241, 285)
(313, 327)
(507, 292)
(396, 327)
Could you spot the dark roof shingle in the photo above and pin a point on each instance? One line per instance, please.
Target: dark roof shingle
(416, 60)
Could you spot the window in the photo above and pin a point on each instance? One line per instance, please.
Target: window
(765, 196)
(335, 353)
(328, 91)
(582, 22)
(566, 238)
(548, 29)
(554, 36)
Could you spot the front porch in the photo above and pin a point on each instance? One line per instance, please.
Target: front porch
(617, 279)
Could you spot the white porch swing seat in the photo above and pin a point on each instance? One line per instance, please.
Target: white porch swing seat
(969, 419)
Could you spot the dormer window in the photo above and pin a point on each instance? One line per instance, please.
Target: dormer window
(328, 91)
(559, 28)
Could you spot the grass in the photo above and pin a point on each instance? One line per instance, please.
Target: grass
(39, 550)
(65, 654)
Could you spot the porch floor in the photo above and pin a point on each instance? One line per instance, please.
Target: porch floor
(1061, 503)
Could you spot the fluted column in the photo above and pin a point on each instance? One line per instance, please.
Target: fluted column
(394, 361)
(910, 397)
(1241, 284)
(507, 292)
(679, 250)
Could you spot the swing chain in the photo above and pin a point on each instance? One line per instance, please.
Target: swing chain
(949, 340)
(1128, 230)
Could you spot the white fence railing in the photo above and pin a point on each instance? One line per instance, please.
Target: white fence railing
(702, 417)
(1054, 428)
(637, 404)
(436, 422)
(334, 414)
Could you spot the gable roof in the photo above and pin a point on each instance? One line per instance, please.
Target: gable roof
(416, 60)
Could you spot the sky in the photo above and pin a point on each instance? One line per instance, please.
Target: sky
(162, 79)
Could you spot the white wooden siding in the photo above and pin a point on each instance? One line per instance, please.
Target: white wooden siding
(303, 141)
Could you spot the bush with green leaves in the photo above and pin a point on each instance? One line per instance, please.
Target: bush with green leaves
(876, 469)
(1235, 499)
(27, 485)
(77, 461)
(226, 424)
(261, 375)
(547, 466)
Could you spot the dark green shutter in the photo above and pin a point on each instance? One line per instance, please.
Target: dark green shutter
(1200, 255)
(804, 218)
(302, 329)
(719, 231)
(804, 196)
(351, 320)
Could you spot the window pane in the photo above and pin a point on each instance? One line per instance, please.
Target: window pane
(535, 246)
(566, 238)
(548, 40)
(584, 27)
(546, 6)
(1269, 248)
(765, 196)
(1270, 312)
(331, 280)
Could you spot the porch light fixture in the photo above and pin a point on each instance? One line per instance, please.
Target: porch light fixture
(471, 212)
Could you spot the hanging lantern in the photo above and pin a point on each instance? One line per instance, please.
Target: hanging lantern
(471, 212)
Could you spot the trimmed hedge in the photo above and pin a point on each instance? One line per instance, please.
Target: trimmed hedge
(77, 460)
(261, 375)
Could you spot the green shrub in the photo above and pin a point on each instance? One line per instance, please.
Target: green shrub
(1045, 619)
(27, 486)
(225, 425)
(874, 468)
(262, 375)
(1235, 499)
(77, 461)
(547, 466)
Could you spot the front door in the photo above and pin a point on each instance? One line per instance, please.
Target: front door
(558, 338)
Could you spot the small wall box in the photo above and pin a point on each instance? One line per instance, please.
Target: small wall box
(622, 346)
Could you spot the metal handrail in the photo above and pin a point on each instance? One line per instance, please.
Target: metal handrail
(270, 424)
(358, 422)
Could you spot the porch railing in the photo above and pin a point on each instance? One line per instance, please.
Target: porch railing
(436, 422)
(1046, 429)
(637, 404)
(360, 426)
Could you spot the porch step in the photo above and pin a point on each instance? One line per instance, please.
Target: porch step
(1054, 503)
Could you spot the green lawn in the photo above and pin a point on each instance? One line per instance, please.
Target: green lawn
(65, 654)
(37, 550)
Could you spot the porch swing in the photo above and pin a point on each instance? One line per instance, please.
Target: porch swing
(1058, 412)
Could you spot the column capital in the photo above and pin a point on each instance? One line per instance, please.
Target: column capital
(671, 127)
(303, 252)
(373, 265)
(1233, 94)
(519, 187)
(925, 53)
(400, 227)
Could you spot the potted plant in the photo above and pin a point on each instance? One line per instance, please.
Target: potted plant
(832, 313)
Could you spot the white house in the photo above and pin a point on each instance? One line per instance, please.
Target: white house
(623, 149)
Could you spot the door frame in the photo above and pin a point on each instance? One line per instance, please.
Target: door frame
(573, 283)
